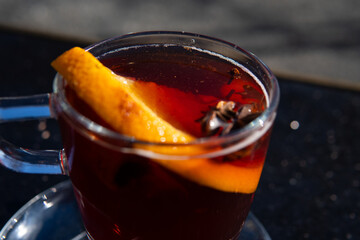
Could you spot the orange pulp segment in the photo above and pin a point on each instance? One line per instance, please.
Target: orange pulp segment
(114, 99)
(190, 107)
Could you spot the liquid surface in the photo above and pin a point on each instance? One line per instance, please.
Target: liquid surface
(182, 85)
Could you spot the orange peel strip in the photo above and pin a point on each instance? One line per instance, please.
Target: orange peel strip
(221, 176)
(113, 98)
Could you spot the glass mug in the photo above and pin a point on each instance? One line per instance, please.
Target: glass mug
(124, 187)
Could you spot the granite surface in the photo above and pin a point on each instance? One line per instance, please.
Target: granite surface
(310, 184)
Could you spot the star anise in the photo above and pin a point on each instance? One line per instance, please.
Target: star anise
(224, 118)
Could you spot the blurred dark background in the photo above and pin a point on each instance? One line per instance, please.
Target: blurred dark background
(317, 39)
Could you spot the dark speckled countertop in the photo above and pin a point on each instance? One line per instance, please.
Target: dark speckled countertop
(310, 187)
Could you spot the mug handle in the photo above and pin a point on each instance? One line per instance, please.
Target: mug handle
(26, 160)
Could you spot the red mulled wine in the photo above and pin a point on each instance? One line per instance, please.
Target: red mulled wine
(126, 196)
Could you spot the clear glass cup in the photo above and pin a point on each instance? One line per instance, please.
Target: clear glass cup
(132, 189)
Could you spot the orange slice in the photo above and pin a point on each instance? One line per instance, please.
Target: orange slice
(115, 99)
(221, 176)
(112, 98)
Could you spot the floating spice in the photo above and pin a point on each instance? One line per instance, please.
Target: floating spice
(227, 117)
(235, 73)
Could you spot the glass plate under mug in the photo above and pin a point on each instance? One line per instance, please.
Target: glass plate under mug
(54, 215)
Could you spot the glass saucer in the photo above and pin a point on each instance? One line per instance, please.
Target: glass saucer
(54, 215)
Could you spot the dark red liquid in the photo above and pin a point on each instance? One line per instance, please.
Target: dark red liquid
(125, 196)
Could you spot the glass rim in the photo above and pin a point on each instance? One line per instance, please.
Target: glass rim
(261, 124)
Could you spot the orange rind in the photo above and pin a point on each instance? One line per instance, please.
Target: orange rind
(112, 98)
(221, 176)
(123, 106)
